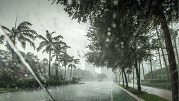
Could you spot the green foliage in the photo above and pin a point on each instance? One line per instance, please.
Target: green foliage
(151, 97)
(157, 81)
(7, 78)
(26, 83)
(157, 74)
(144, 95)
(158, 85)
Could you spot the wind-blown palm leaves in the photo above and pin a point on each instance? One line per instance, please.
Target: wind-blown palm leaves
(22, 33)
(72, 64)
(60, 49)
(65, 59)
(48, 43)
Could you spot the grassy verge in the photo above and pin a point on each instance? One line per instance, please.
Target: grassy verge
(8, 89)
(144, 95)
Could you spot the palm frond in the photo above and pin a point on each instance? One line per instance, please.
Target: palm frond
(41, 37)
(24, 25)
(29, 41)
(41, 45)
(29, 31)
(28, 35)
(57, 38)
(7, 29)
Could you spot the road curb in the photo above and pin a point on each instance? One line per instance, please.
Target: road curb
(133, 95)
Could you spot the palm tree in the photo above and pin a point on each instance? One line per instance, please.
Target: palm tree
(49, 43)
(22, 33)
(65, 59)
(71, 66)
(59, 50)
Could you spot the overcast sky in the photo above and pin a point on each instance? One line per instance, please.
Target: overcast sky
(45, 16)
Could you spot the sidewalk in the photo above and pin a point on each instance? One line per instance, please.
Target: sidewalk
(167, 94)
(118, 94)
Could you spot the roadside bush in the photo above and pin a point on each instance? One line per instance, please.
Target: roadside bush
(7, 78)
(157, 81)
(26, 83)
(158, 85)
(144, 80)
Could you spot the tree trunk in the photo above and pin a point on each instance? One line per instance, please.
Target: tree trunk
(164, 59)
(56, 67)
(119, 78)
(125, 76)
(143, 70)
(151, 68)
(171, 56)
(176, 50)
(133, 77)
(158, 49)
(65, 73)
(49, 63)
(138, 78)
(122, 79)
(71, 73)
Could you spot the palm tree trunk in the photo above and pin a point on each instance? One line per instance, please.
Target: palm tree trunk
(176, 50)
(49, 63)
(138, 78)
(125, 76)
(143, 70)
(158, 49)
(164, 59)
(171, 56)
(56, 67)
(71, 73)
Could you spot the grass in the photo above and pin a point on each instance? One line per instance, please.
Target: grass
(7, 89)
(151, 97)
(144, 95)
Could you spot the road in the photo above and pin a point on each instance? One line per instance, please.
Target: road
(90, 91)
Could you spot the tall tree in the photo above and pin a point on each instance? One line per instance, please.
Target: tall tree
(164, 59)
(22, 33)
(48, 43)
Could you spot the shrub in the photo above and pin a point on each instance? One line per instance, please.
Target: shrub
(157, 81)
(144, 80)
(158, 85)
(7, 78)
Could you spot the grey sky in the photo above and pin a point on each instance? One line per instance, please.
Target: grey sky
(44, 16)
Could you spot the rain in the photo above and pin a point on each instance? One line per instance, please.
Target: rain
(89, 50)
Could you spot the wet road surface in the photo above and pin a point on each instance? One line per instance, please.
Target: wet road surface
(90, 91)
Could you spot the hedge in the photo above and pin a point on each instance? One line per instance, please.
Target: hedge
(157, 81)
(158, 85)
